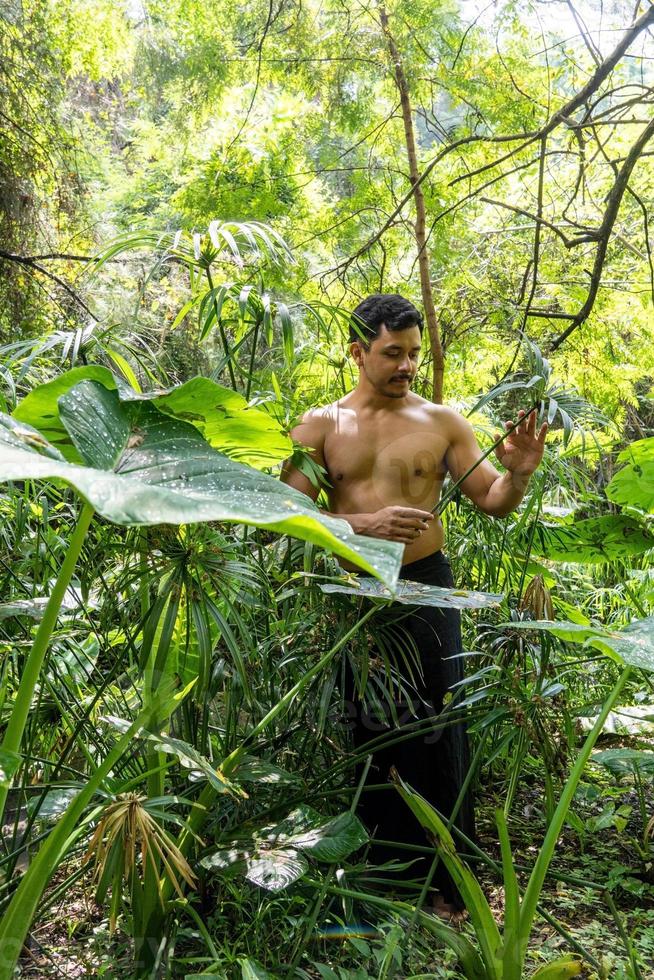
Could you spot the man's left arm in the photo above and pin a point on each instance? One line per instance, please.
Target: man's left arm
(519, 453)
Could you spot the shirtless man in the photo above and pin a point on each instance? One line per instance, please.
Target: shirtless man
(386, 451)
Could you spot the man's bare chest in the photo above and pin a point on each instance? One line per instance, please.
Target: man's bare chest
(395, 455)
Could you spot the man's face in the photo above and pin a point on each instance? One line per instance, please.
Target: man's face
(391, 361)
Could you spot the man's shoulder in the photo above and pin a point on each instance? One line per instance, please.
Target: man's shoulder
(315, 424)
(321, 414)
(439, 413)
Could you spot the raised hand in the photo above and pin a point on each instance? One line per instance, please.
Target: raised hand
(521, 450)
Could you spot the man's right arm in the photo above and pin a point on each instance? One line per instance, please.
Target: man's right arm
(395, 523)
(310, 432)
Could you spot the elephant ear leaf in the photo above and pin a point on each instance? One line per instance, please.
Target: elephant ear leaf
(96, 422)
(633, 644)
(252, 970)
(227, 422)
(633, 485)
(334, 840)
(595, 539)
(144, 468)
(219, 414)
(40, 407)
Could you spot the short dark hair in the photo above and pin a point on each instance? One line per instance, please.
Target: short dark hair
(390, 309)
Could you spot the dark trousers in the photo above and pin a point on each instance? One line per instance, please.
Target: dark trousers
(435, 761)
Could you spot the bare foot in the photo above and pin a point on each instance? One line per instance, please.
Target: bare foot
(447, 911)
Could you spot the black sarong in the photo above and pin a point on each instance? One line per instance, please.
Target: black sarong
(435, 761)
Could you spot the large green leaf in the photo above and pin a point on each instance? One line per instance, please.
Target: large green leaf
(333, 841)
(33, 608)
(561, 969)
(73, 662)
(164, 472)
(56, 802)
(221, 415)
(224, 419)
(272, 869)
(622, 761)
(633, 645)
(40, 407)
(273, 857)
(633, 485)
(414, 593)
(596, 539)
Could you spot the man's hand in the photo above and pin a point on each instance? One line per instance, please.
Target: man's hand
(396, 523)
(522, 450)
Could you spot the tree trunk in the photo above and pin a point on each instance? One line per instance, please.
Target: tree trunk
(420, 223)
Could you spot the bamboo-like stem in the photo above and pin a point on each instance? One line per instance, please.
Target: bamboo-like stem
(253, 353)
(13, 736)
(420, 227)
(624, 936)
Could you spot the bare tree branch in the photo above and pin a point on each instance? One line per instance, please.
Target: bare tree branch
(604, 232)
(30, 263)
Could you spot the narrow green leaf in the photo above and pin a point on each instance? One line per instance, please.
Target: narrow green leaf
(562, 969)
(513, 952)
(9, 764)
(481, 916)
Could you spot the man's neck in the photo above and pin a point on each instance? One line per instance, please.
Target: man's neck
(366, 398)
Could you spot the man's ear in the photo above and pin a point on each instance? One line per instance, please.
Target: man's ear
(356, 351)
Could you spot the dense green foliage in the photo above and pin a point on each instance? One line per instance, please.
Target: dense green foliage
(191, 198)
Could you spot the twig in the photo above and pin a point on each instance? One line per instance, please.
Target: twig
(30, 263)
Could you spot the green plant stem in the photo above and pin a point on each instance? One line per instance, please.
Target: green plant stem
(472, 770)
(532, 534)
(464, 949)
(186, 907)
(481, 856)
(253, 353)
(546, 853)
(573, 943)
(16, 726)
(284, 702)
(626, 941)
(223, 335)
